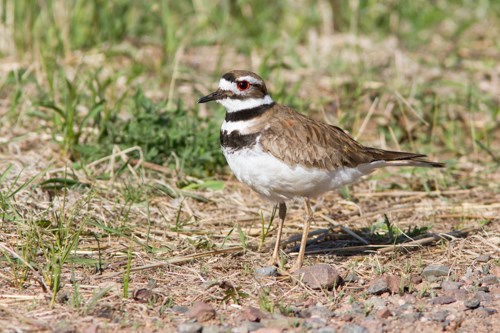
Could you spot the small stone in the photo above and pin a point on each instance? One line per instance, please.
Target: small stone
(247, 326)
(375, 302)
(314, 323)
(320, 312)
(319, 276)
(394, 283)
(450, 285)
(384, 313)
(267, 271)
(142, 295)
(378, 286)
(180, 309)
(351, 277)
(353, 328)
(443, 300)
(252, 314)
(458, 294)
(201, 311)
(485, 312)
(214, 329)
(483, 258)
(488, 280)
(472, 303)
(268, 330)
(485, 269)
(189, 328)
(327, 330)
(416, 279)
(483, 296)
(439, 315)
(432, 272)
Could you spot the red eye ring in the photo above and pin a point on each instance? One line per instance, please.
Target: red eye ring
(243, 85)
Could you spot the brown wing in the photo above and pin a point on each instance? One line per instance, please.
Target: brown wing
(296, 139)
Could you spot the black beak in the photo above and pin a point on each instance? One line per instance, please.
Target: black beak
(211, 97)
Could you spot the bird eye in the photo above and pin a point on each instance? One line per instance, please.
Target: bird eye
(243, 85)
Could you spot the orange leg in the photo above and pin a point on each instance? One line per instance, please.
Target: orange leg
(305, 234)
(275, 259)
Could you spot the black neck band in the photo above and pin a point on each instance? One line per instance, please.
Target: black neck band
(248, 114)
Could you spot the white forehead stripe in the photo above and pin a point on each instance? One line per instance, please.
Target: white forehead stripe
(228, 85)
(250, 79)
(234, 105)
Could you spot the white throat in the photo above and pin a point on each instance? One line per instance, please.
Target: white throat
(235, 105)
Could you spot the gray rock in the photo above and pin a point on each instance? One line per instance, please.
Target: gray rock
(320, 312)
(353, 328)
(378, 286)
(189, 328)
(483, 258)
(488, 280)
(432, 272)
(201, 311)
(351, 277)
(247, 326)
(472, 303)
(450, 285)
(327, 330)
(439, 315)
(440, 300)
(314, 323)
(180, 309)
(319, 276)
(267, 271)
(214, 329)
(375, 302)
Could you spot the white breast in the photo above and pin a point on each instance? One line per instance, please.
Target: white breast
(278, 181)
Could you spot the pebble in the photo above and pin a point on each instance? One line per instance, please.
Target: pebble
(247, 326)
(483, 258)
(472, 303)
(394, 283)
(319, 276)
(488, 280)
(189, 328)
(320, 312)
(378, 286)
(251, 314)
(432, 272)
(214, 329)
(267, 271)
(458, 294)
(416, 279)
(384, 313)
(443, 300)
(201, 311)
(450, 285)
(375, 302)
(327, 330)
(180, 309)
(314, 323)
(351, 277)
(439, 315)
(353, 328)
(268, 330)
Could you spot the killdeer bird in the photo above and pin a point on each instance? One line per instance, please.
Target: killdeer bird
(282, 154)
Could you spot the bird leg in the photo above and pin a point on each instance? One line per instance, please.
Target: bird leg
(305, 234)
(281, 214)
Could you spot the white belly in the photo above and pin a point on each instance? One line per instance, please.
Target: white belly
(277, 181)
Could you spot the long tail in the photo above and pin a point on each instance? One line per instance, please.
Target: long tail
(399, 158)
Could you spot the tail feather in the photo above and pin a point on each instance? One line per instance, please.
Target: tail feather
(399, 158)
